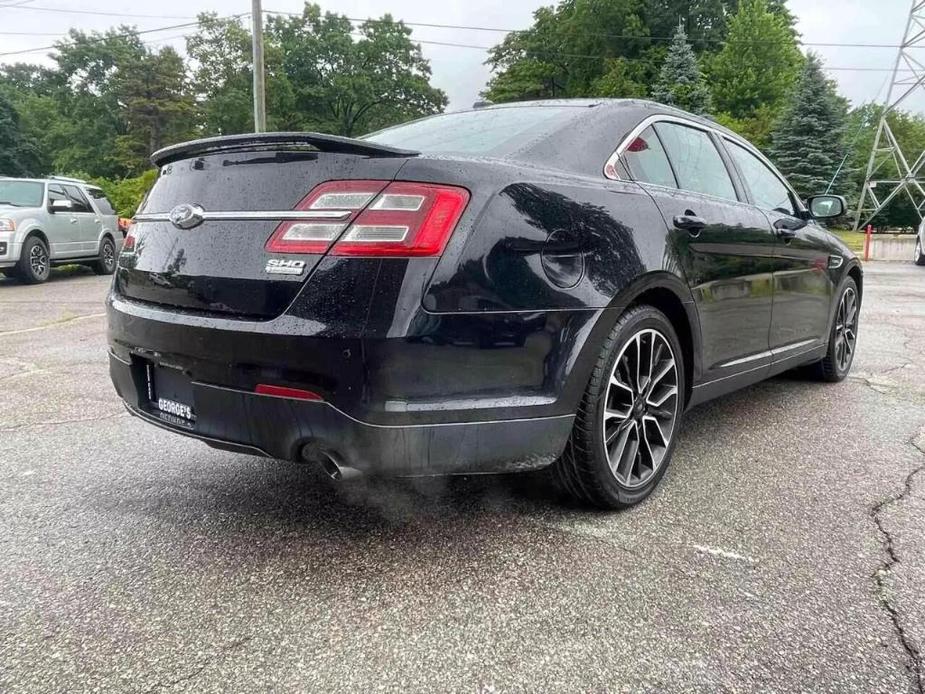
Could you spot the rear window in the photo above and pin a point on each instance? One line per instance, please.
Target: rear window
(493, 131)
(22, 193)
(102, 202)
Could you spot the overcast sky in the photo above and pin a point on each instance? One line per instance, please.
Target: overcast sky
(460, 71)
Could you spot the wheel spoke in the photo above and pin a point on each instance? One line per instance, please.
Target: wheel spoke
(658, 401)
(640, 407)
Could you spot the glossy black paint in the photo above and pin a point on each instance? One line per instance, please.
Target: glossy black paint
(473, 361)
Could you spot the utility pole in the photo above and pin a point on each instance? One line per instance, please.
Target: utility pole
(881, 187)
(260, 97)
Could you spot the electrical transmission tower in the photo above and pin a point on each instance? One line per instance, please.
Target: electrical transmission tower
(883, 183)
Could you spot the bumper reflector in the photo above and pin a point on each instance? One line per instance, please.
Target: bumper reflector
(284, 392)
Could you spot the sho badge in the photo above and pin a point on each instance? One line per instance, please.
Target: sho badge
(282, 266)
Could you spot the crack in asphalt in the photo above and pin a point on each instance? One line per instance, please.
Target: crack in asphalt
(55, 324)
(914, 655)
(220, 655)
(57, 422)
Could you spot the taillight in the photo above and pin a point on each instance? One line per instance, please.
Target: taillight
(373, 218)
(128, 243)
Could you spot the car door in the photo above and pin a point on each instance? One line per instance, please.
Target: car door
(89, 223)
(723, 245)
(803, 288)
(61, 227)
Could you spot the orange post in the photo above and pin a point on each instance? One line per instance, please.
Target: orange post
(870, 230)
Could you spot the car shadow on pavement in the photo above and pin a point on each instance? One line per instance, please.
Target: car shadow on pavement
(260, 493)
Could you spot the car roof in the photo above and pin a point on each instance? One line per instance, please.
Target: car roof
(643, 106)
(584, 142)
(67, 181)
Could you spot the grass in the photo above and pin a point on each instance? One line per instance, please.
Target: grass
(853, 239)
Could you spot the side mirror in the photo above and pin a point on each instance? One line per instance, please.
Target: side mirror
(826, 206)
(62, 206)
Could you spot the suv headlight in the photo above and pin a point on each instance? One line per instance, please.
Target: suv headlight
(7, 225)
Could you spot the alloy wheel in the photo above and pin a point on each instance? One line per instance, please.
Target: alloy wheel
(38, 260)
(846, 329)
(640, 408)
(109, 255)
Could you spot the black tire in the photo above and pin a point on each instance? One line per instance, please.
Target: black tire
(106, 265)
(34, 266)
(839, 356)
(584, 470)
(918, 256)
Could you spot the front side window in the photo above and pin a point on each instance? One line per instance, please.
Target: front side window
(81, 204)
(56, 192)
(646, 160)
(696, 161)
(768, 191)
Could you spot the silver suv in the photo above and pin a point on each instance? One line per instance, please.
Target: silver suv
(54, 221)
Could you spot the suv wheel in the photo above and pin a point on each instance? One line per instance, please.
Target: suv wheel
(106, 264)
(629, 417)
(919, 255)
(34, 264)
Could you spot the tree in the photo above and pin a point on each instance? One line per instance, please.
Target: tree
(604, 47)
(680, 82)
(753, 74)
(348, 85)
(808, 140)
(18, 152)
(222, 78)
(156, 104)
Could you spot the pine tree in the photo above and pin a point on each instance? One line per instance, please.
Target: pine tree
(681, 82)
(808, 140)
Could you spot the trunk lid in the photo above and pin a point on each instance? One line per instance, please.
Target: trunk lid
(219, 265)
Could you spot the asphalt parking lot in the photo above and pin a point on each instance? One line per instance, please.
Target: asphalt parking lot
(784, 550)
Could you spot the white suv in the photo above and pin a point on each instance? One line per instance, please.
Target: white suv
(54, 221)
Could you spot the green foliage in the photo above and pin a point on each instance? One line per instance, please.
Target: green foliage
(754, 73)
(808, 139)
(110, 101)
(909, 130)
(18, 152)
(680, 82)
(346, 85)
(126, 194)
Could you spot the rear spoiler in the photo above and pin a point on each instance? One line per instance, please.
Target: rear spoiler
(264, 141)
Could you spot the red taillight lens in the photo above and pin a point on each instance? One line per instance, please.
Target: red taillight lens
(376, 218)
(128, 243)
(337, 203)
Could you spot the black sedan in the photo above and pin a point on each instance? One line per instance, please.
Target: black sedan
(502, 289)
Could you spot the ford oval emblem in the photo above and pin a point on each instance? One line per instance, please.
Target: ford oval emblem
(186, 216)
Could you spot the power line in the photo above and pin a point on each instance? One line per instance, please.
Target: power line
(125, 34)
(636, 37)
(555, 54)
(99, 13)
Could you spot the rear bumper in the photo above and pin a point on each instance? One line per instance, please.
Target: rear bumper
(277, 427)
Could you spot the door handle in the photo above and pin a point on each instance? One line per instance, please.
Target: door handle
(73, 220)
(690, 222)
(787, 228)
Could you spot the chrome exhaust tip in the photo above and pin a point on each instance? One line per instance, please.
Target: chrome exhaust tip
(330, 463)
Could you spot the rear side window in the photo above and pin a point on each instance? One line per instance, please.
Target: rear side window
(768, 191)
(696, 161)
(102, 202)
(81, 204)
(646, 159)
(488, 131)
